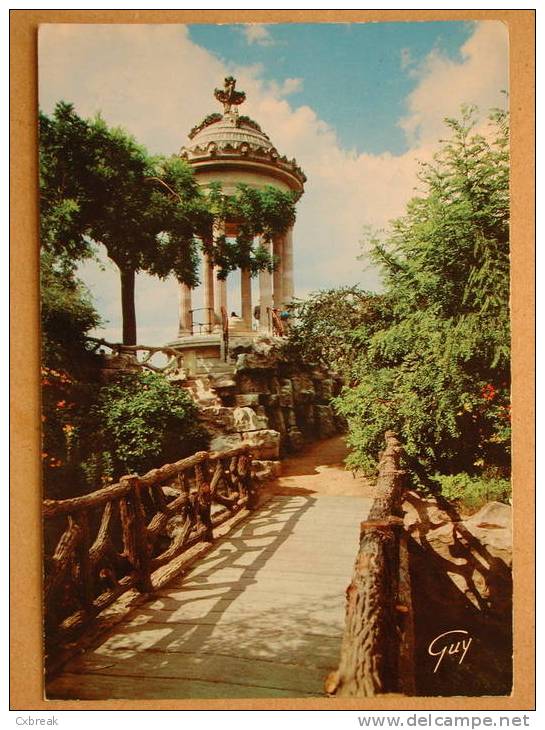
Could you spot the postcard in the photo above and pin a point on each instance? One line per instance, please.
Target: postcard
(281, 352)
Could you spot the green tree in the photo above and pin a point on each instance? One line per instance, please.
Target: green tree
(65, 158)
(99, 186)
(439, 372)
(329, 327)
(67, 314)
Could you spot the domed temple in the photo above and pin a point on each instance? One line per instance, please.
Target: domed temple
(229, 149)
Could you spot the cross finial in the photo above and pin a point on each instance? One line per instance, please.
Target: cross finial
(228, 96)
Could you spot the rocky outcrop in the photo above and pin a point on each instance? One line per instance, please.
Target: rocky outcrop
(476, 551)
(265, 469)
(261, 392)
(325, 421)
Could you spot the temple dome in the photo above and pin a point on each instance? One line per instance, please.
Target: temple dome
(232, 132)
(229, 140)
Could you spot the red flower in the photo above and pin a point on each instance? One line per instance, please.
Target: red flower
(488, 392)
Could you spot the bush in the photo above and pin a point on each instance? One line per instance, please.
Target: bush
(67, 314)
(94, 434)
(330, 326)
(470, 493)
(145, 422)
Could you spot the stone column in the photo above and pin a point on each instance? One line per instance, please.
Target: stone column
(278, 275)
(208, 281)
(265, 294)
(220, 286)
(287, 279)
(184, 327)
(246, 298)
(220, 294)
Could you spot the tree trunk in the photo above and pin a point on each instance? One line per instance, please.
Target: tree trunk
(127, 306)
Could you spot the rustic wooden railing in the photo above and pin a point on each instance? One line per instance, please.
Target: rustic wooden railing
(377, 647)
(146, 352)
(118, 538)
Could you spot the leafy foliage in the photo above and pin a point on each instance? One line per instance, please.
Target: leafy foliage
(65, 405)
(144, 421)
(97, 185)
(178, 215)
(67, 314)
(329, 326)
(94, 433)
(264, 212)
(438, 373)
(470, 493)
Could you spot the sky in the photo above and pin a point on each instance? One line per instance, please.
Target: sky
(357, 104)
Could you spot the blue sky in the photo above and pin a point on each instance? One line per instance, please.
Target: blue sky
(357, 105)
(357, 76)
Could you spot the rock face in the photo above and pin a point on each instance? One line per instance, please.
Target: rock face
(325, 421)
(265, 443)
(473, 550)
(261, 398)
(461, 581)
(262, 393)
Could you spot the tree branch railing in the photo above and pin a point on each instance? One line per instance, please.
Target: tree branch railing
(377, 652)
(175, 357)
(118, 538)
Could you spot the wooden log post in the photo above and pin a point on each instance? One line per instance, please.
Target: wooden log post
(407, 638)
(369, 662)
(126, 514)
(141, 540)
(204, 500)
(60, 565)
(86, 572)
(247, 480)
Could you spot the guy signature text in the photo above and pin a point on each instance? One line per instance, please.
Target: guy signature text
(452, 643)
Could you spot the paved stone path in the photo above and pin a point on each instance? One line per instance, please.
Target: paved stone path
(260, 616)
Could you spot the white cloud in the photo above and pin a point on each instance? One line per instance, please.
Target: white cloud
(445, 84)
(157, 83)
(290, 86)
(259, 34)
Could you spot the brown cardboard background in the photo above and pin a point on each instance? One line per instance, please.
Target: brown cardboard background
(25, 549)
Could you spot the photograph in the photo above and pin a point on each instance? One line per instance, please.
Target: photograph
(275, 267)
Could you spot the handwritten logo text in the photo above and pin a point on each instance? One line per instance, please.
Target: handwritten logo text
(450, 643)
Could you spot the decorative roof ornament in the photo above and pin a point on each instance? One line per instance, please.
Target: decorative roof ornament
(235, 142)
(228, 96)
